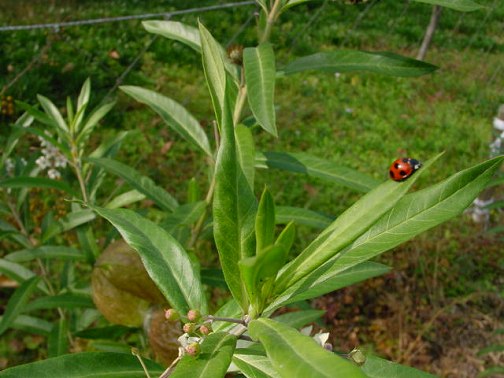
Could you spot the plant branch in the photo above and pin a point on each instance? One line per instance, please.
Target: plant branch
(272, 16)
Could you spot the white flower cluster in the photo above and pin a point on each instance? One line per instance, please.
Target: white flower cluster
(497, 145)
(51, 159)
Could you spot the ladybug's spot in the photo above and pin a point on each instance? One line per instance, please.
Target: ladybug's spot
(405, 160)
(396, 165)
(391, 173)
(402, 173)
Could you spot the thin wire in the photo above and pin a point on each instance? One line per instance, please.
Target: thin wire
(57, 25)
(242, 28)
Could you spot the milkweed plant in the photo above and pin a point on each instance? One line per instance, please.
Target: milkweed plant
(167, 293)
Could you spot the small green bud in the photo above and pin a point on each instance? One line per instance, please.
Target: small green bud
(193, 315)
(205, 329)
(172, 315)
(189, 327)
(193, 349)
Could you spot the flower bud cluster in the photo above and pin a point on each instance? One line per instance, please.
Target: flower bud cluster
(51, 159)
(195, 329)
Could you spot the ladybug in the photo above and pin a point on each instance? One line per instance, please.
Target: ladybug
(403, 168)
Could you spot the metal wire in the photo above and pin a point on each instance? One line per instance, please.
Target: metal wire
(57, 25)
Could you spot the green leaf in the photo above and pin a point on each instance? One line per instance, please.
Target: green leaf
(213, 278)
(254, 366)
(57, 342)
(295, 355)
(174, 114)
(46, 252)
(384, 63)
(215, 74)
(20, 128)
(93, 120)
(68, 300)
(177, 31)
(292, 3)
(315, 167)
(125, 199)
(68, 222)
(265, 222)
(255, 270)
(184, 216)
(418, 212)
(17, 302)
(493, 371)
(231, 309)
(234, 209)
(54, 114)
(259, 68)
(213, 361)
(31, 324)
(491, 349)
(85, 365)
(299, 319)
(459, 5)
(299, 215)
(84, 94)
(326, 279)
(41, 133)
(376, 367)
(36, 182)
(346, 228)
(36, 114)
(20, 274)
(246, 152)
(141, 183)
(167, 263)
(286, 238)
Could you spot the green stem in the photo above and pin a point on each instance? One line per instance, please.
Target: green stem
(272, 16)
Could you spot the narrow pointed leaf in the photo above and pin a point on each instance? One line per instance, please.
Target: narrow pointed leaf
(36, 114)
(384, 63)
(46, 252)
(299, 215)
(292, 3)
(41, 133)
(184, 216)
(418, 212)
(459, 5)
(31, 324)
(141, 183)
(174, 114)
(234, 209)
(17, 302)
(167, 263)
(84, 94)
(254, 366)
(36, 182)
(326, 279)
(246, 152)
(19, 273)
(125, 199)
(68, 222)
(177, 31)
(213, 361)
(95, 117)
(295, 355)
(57, 342)
(260, 72)
(215, 73)
(376, 367)
(68, 300)
(286, 238)
(53, 112)
(265, 222)
(85, 365)
(354, 222)
(316, 167)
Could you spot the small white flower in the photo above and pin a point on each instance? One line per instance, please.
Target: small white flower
(498, 124)
(60, 161)
(53, 174)
(43, 162)
(9, 166)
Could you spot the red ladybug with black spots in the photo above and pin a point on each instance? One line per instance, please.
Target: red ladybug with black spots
(403, 168)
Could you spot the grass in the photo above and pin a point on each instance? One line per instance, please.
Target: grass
(359, 120)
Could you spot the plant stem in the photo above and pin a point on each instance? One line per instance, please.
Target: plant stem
(272, 16)
(229, 320)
